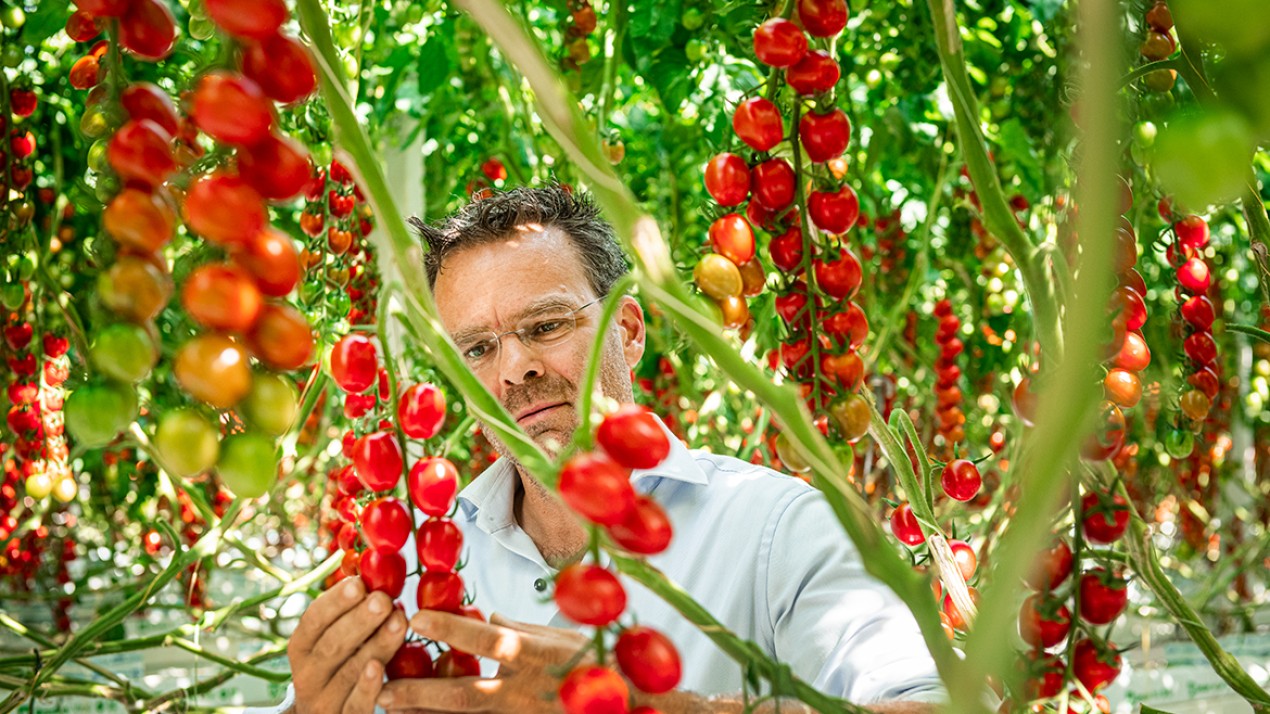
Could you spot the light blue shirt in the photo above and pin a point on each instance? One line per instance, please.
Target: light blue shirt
(760, 550)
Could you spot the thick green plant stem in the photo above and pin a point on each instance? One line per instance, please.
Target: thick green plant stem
(997, 217)
(1250, 331)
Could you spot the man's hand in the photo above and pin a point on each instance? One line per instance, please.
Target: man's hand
(339, 649)
(530, 657)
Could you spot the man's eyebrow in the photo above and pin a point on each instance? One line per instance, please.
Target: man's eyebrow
(533, 308)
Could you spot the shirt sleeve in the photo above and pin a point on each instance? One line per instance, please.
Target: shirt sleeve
(287, 703)
(835, 625)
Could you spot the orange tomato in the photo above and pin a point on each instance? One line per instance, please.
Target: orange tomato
(140, 220)
(134, 288)
(214, 369)
(271, 259)
(281, 338)
(222, 297)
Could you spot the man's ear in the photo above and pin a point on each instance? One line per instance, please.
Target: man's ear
(630, 319)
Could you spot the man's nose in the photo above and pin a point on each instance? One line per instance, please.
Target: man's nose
(518, 362)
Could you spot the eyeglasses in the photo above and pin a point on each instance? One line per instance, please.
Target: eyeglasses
(538, 332)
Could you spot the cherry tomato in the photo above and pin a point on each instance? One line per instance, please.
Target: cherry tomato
(1103, 522)
(732, 237)
(421, 411)
(734, 312)
(147, 29)
(248, 464)
(134, 289)
(249, 19)
(85, 73)
(411, 661)
(590, 689)
(728, 179)
(589, 595)
(103, 8)
(141, 153)
(354, 363)
(224, 209)
(633, 437)
(433, 483)
(758, 123)
(271, 405)
(1134, 354)
(222, 297)
(956, 619)
(717, 277)
(453, 663)
(824, 136)
(124, 352)
(439, 543)
(281, 337)
(1194, 276)
(231, 108)
(383, 570)
(779, 43)
(1195, 404)
(852, 414)
(1052, 567)
(1102, 596)
(139, 220)
(753, 278)
(787, 249)
(836, 211)
(1122, 387)
(597, 487)
(1044, 622)
(386, 523)
(82, 27)
(649, 659)
(441, 591)
(277, 167)
(1094, 666)
(817, 72)
(1198, 311)
(839, 278)
(143, 100)
(96, 413)
(1201, 348)
(282, 66)
(905, 527)
(646, 531)
(965, 558)
(377, 458)
(214, 369)
(823, 18)
(271, 260)
(773, 184)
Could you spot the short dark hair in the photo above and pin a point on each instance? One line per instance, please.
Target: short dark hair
(495, 218)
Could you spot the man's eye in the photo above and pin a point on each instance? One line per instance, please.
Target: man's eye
(477, 350)
(547, 327)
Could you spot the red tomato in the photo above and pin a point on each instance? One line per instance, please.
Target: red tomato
(1103, 522)
(961, 480)
(773, 184)
(848, 328)
(1122, 386)
(955, 618)
(728, 179)
(1094, 666)
(1109, 435)
(779, 43)
(85, 73)
(791, 307)
(214, 369)
(905, 527)
(589, 689)
(442, 591)
(271, 260)
(139, 220)
(1127, 303)
(1046, 677)
(277, 167)
(597, 487)
(1201, 348)
(22, 101)
(383, 570)
(282, 66)
(758, 123)
(589, 595)
(633, 437)
(354, 362)
(82, 26)
(787, 249)
(281, 337)
(439, 543)
(411, 661)
(732, 238)
(834, 211)
(224, 209)
(250, 19)
(1102, 596)
(815, 73)
(453, 663)
(433, 483)
(386, 523)
(1052, 567)
(377, 458)
(147, 29)
(143, 100)
(839, 278)
(646, 531)
(421, 411)
(222, 297)
(965, 558)
(141, 153)
(649, 659)
(1134, 354)
(103, 8)
(1194, 276)
(824, 136)
(1192, 231)
(823, 18)
(1198, 310)
(231, 108)
(1044, 622)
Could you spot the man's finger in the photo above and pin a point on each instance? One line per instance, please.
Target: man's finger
(361, 700)
(379, 648)
(326, 609)
(502, 644)
(543, 630)
(348, 633)
(460, 694)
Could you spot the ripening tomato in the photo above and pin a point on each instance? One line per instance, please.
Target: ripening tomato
(649, 659)
(386, 523)
(383, 570)
(753, 278)
(222, 297)
(1122, 387)
(134, 289)
(249, 19)
(633, 437)
(1134, 354)
(955, 617)
(779, 43)
(717, 276)
(281, 337)
(1102, 522)
(442, 591)
(734, 312)
(787, 249)
(85, 73)
(143, 100)
(823, 18)
(834, 211)
(848, 369)
(1205, 380)
(231, 108)
(1052, 567)
(1044, 622)
(354, 363)
(1195, 404)
(421, 411)
(728, 179)
(277, 167)
(377, 458)
(851, 413)
(272, 404)
(147, 29)
(282, 66)
(433, 483)
(815, 73)
(758, 123)
(964, 556)
(224, 209)
(597, 487)
(141, 153)
(905, 527)
(411, 661)
(214, 369)
(439, 543)
(732, 237)
(772, 183)
(271, 260)
(139, 220)
(248, 464)
(824, 136)
(1094, 666)
(646, 530)
(589, 595)
(1103, 596)
(590, 689)
(1108, 436)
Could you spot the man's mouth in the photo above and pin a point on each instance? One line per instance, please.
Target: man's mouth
(537, 410)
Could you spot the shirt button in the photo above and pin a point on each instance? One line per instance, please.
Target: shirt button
(540, 585)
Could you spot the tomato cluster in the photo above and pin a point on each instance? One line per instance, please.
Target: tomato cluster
(597, 485)
(1158, 43)
(948, 396)
(1196, 313)
(336, 208)
(578, 25)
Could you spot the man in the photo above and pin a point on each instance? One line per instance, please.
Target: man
(519, 279)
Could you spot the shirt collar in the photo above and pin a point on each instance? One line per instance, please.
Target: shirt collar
(493, 489)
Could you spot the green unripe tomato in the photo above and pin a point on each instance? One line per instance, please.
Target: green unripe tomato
(97, 160)
(26, 266)
(271, 405)
(124, 352)
(12, 17)
(12, 295)
(248, 464)
(95, 414)
(1179, 444)
(696, 50)
(187, 442)
(202, 28)
(12, 55)
(692, 19)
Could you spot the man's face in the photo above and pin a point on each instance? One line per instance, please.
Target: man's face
(498, 287)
